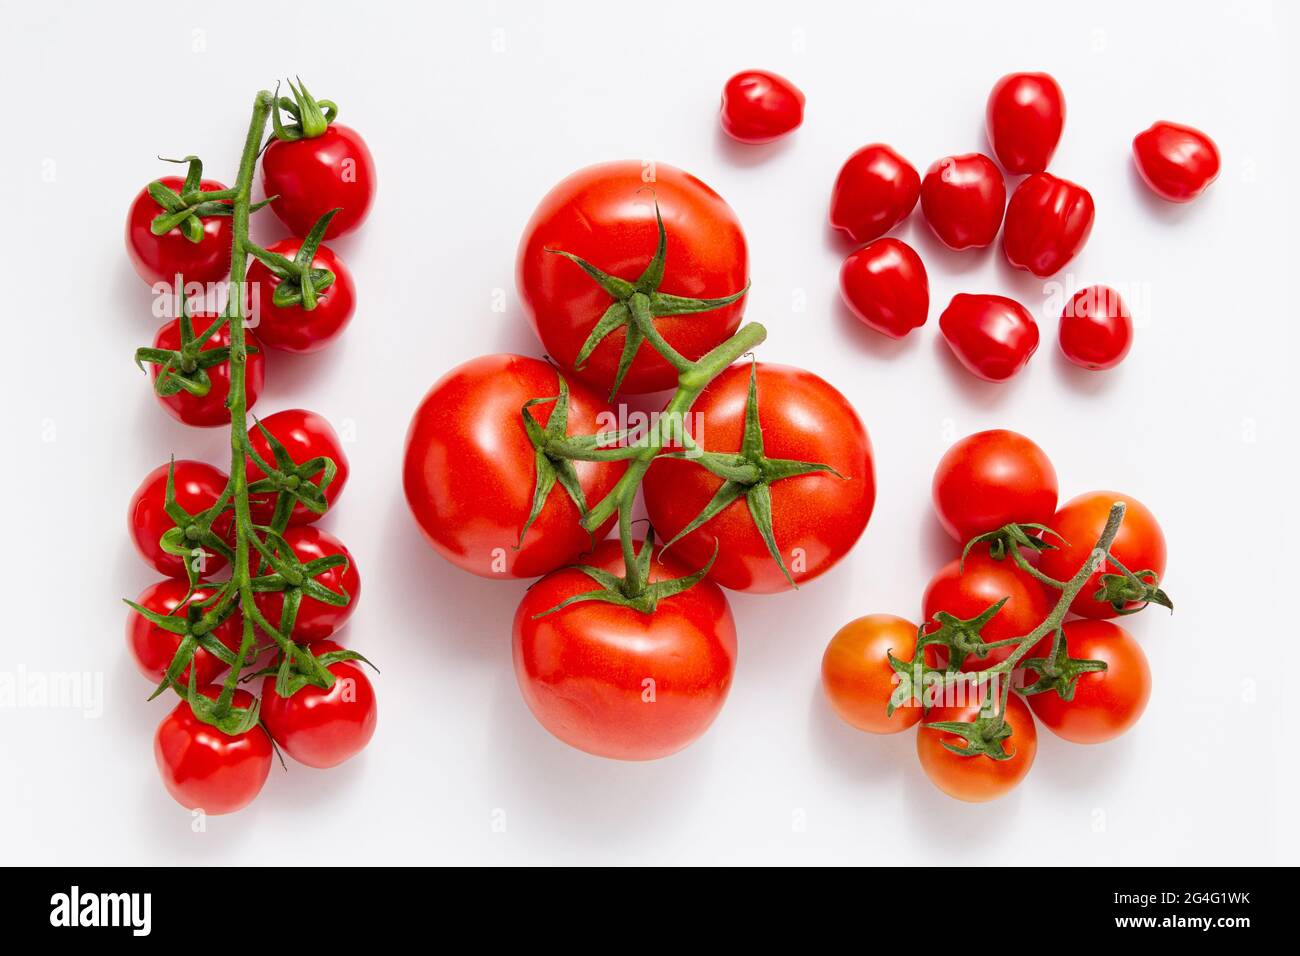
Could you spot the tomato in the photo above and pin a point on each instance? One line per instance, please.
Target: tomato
(313, 175)
(1105, 703)
(323, 728)
(198, 486)
(977, 779)
(1096, 328)
(469, 470)
(209, 411)
(293, 328)
(1139, 545)
(875, 191)
(160, 258)
(1025, 116)
(1176, 161)
(1048, 222)
(991, 335)
(304, 435)
(991, 479)
(962, 198)
(884, 284)
(857, 677)
(759, 107)
(153, 648)
(617, 682)
(316, 620)
(816, 518)
(206, 769)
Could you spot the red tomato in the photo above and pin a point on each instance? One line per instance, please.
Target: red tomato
(323, 728)
(209, 411)
(816, 518)
(963, 198)
(606, 215)
(153, 648)
(1048, 222)
(304, 435)
(991, 479)
(312, 176)
(759, 107)
(614, 681)
(316, 620)
(1177, 162)
(1105, 703)
(160, 258)
(1025, 115)
(206, 769)
(857, 677)
(991, 335)
(885, 285)
(198, 485)
(977, 779)
(1096, 328)
(875, 191)
(1139, 545)
(293, 328)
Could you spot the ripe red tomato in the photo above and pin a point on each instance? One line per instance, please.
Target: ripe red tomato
(1048, 222)
(614, 681)
(991, 335)
(314, 175)
(304, 435)
(206, 769)
(857, 677)
(977, 779)
(1139, 545)
(759, 107)
(816, 518)
(160, 258)
(209, 411)
(1105, 703)
(323, 728)
(875, 191)
(153, 648)
(293, 328)
(962, 198)
(1096, 328)
(991, 479)
(605, 215)
(198, 485)
(316, 620)
(885, 285)
(1025, 116)
(1176, 161)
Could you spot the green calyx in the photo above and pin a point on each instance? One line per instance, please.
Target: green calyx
(549, 466)
(311, 117)
(184, 369)
(191, 538)
(186, 210)
(985, 736)
(961, 638)
(1058, 671)
(1009, 539)
(1131, 587)
(300, 284)
(293, 483)
(193, 622)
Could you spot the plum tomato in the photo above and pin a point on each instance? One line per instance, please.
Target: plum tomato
(313, 175)
(322, 728)
(206, 769)
(1176, 161)
(1096, 328)
(198, 486)
(991, 335)
(1024, 117)
(161, 258)
(885, 285)
(292, 328)
(304, 435)
(991, 479)
(759, 107)
(1048, 222)
(857, 678)
(875, 190)
(963, 198)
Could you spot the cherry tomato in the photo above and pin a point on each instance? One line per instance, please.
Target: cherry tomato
(304, 435)
(1177, 162)
(991, 335)
(1096, 328)
(875, 191)
(312, 176)
(316, 620)
(198, 485)
(816, 518)
(293, 328)
(979, 778)
(1025, 116)
(206, 769)
(605, 215)
(614, 681)
(991, 479)
(1139, 545)
(885, 285)
(759, 107)
(160, 258)
(1048, 222)
(323, 728)
(467, 438)
(153, 648)
(857, 677)
(209, 411)
(962, 198)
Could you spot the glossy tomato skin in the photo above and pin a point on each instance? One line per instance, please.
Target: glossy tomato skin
(977, 779)
(210, 411)
(857, 678)
(1139, 545)
(305, 435)
(759, 107)
(198, 487)
(313, 176)
(1024, 117)
(153, 648)
(469, 468)
(875, 191)
(816, 519)
(1048, 222)
(316, 620)
(1178, 162)
(159, 258)
(991, 479)
(991, 335)
(963, 198)
(1096, 328)
(605, 214)
(885, 285)
(294, 329)
(205, 769)
(586, 671)
(323, 728)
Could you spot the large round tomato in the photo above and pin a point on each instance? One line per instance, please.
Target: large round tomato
(816, 518)
(323, 728)
(198, 485)
(977, 778)
(311, 176)
(991, 479)
(206, 769)
(209, 411)
(293, 328)
(857, 677)
(153, 648)
(1176, 161)
(1025, 116)
(759, 107)
(617, 682)
(304, 435)
(605, 215)
(161, 258)
(316, 620)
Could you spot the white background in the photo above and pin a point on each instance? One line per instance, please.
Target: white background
(472, 113)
